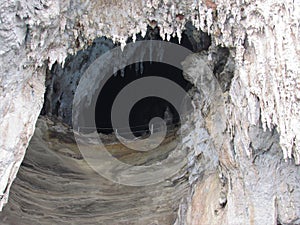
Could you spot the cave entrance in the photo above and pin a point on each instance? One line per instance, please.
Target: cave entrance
(62, 83)
(53, 156)
(145, 109)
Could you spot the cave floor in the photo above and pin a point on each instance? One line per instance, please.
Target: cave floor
(56, 186)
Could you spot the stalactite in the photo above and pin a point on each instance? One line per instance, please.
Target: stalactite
(263, 36)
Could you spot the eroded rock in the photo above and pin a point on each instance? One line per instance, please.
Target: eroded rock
(264, 38)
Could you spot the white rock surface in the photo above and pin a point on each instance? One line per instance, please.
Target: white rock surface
(265, 35)
(242, 177)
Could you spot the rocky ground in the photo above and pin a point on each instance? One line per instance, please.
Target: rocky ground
(56, 186)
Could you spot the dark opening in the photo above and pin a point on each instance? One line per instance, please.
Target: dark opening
(62, 82)
(145, 109)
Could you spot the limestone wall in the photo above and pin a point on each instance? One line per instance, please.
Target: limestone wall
(264, 34)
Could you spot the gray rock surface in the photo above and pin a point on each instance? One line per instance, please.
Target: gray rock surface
(238, 189)
(264, 93)
(55, 185)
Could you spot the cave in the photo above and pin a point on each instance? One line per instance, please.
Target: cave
(149, 112)
(53, 148)
(147, 108)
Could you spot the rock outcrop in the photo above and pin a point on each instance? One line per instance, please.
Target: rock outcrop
(253, 125)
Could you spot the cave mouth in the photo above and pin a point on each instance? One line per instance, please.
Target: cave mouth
(145, 109)
(53, 164)
(62, 81)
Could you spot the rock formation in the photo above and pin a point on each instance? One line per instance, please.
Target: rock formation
(251, 121)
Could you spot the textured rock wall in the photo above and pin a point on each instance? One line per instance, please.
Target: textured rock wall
(55, 185)
(265, 35)
(231, 188)
(225, 186)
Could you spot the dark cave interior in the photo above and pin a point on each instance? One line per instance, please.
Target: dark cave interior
(147, 108)
(61, 82)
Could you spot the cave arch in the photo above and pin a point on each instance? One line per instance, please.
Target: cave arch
(61, 159)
